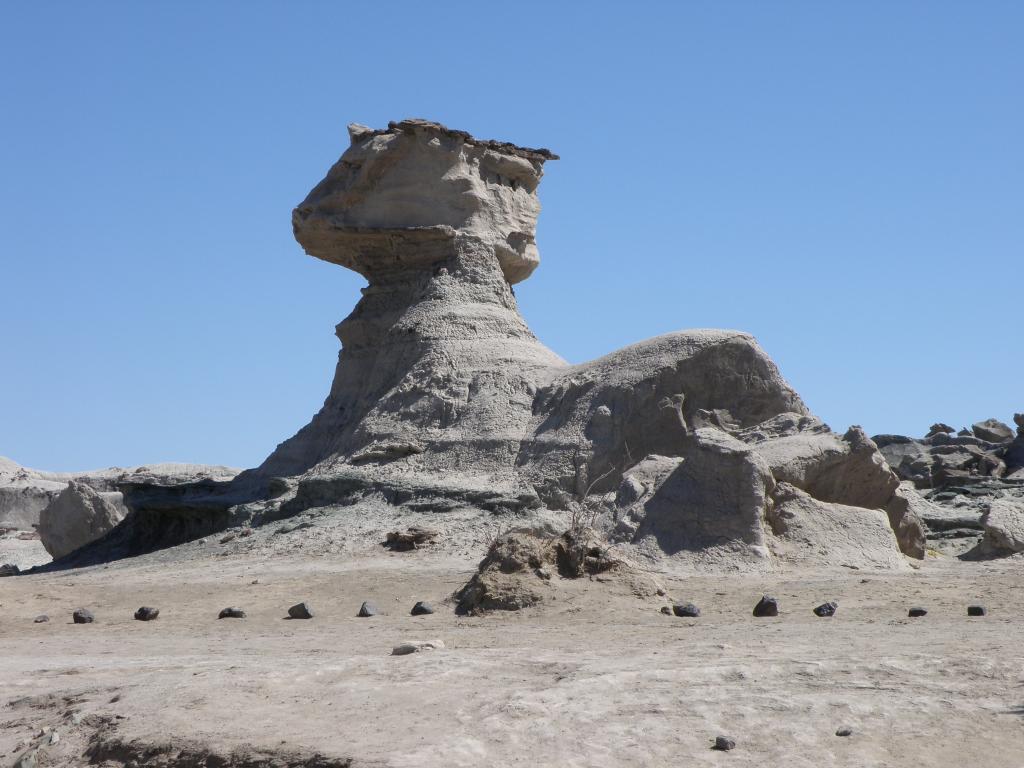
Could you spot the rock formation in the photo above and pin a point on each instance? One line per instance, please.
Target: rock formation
(24, 493)
(443, 398)
(953, 480)
(78, 516)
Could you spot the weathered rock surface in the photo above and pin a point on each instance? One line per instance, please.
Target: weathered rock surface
(444, 399)
(24, 493)
(78, 516)
(810, 531)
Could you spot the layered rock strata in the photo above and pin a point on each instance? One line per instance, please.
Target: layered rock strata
(444, 398)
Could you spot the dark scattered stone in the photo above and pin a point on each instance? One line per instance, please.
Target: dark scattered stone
(422, 609)
(226, 538)
(826, 609)
(724, 743)
(41, 619)
(366, 610)
(844, 730)
(686, 610)
(916, 612)
(145, 613)
(940, 429)
(766, 606)
(976, 610)
(666, 610)
(232, 613)
(83, 616)
(9, 569)
(300, 611)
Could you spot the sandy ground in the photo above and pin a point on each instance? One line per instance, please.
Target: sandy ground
(595, 677)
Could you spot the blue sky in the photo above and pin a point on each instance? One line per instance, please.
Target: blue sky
(844, 181)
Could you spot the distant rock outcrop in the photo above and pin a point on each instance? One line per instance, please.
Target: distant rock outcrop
(24, 492)
(953, 480)
(443, 398)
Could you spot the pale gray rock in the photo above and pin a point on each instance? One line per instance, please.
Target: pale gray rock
(847, 470)
(713, 504)
(809, 531)
(444, 399)
(78, 516)
(1004, 528)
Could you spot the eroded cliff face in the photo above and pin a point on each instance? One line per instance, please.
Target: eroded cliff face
(690, 445)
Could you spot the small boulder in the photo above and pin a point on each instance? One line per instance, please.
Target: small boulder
(686, 610)
(232, 613)
(1003, 522)
(145, 613)
(827, 609)
(300, 611)
(416, 646)
(41, 619)
(917, 612)
(939, 429)
(667, 610)
(976, 610)
(83, 616)
(9, 569)
(844, 730)
(724, 743)
(422, 609)
(366, 610)
(77, 516)
(992, 430)
(766, 606)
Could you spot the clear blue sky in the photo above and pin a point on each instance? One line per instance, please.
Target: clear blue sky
(843, 180)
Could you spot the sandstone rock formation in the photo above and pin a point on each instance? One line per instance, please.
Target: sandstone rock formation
(78, 516)
(443, 398)
(24, 493)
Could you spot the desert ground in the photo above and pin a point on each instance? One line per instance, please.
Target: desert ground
(594, 676)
